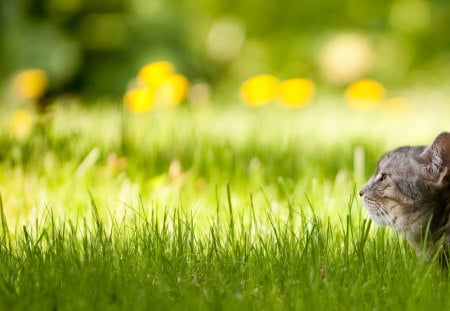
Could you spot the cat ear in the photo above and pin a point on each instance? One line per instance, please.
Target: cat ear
(436, 157)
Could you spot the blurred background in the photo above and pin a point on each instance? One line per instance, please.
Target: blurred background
(95, 48)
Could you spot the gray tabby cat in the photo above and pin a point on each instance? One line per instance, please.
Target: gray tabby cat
(410, 190)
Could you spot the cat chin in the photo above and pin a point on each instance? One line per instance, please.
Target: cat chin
(378, 217)
(380, 222)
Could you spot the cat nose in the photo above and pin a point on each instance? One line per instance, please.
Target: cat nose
(361, 192)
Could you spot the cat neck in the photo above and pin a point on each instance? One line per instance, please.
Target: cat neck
(435, 224)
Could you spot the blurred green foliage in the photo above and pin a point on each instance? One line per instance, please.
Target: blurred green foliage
(96, 47)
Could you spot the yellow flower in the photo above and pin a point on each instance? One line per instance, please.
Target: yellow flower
(173, 90)
(140, 99)
(259, 90)
(296, 92)
(21, 124)
(30, 84)
(364, 94)
(154, 74)
(160, 85)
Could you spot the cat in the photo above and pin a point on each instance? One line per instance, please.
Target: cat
(410, 192)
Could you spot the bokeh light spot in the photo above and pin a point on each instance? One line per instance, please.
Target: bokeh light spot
(346, 57)
(225, 39)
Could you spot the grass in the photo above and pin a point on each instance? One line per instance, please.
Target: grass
(206, 208)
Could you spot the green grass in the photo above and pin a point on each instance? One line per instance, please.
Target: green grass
(263, 213)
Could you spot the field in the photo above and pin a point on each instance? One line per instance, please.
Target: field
(209, 207)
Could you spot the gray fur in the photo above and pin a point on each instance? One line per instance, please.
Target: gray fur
(411, 189)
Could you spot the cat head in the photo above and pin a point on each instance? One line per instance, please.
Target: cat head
(408, 184)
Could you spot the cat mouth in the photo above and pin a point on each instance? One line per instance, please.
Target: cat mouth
(377, 213)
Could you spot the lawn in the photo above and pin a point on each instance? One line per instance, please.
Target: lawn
(207, 207)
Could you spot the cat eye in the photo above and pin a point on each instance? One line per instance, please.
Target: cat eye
(383, 176)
